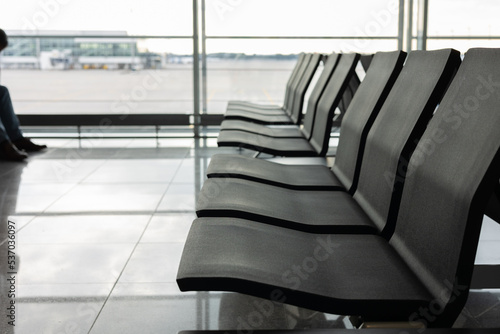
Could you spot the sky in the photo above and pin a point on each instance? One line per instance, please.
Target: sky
(249, 17)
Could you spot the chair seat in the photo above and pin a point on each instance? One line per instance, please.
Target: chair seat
(300, 177)
(310, 211)
(340, 274)
(235, 103)
(290, 147)
(261, 111)
(277, 132)
(259, 118)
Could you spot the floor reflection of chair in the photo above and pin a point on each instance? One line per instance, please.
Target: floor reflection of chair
(247, 313)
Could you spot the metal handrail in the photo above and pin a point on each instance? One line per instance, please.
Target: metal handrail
(477, 37)
(103, 36)
(208, 37)
(302, 37)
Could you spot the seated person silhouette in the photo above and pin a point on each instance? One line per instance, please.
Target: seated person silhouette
(13, 145)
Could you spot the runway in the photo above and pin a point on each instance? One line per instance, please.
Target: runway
(168, 90)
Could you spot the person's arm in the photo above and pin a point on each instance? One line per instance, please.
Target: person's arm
(3, 40)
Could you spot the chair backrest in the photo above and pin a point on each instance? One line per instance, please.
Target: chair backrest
(366, 60)
(288, 103)
(348, 95)
(319, 131)
(295, 111)
(493, 208)
(319, 88)
(450, 177)
(361, 114)
(363, 64)
(291, 79)
(397, 129)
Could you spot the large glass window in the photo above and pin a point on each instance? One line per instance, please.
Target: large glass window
(302, 18)
(94, 56)
(463, 24)
(242, 68)
(145, 17)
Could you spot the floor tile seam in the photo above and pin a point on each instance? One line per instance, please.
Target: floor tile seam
(98, 299)
(124, 183)
(142, 243)
(52, 243)
(62, 299)
(104, 161)
(81, 183)
(75, 185)
(170, 183)
(65, 283)
(120, 275)
(125, 213)
(7, 172)
(73, 213)
(121, 149)
(487, 310)
(22, 227)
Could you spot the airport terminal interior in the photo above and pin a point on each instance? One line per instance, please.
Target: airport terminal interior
(148, 212)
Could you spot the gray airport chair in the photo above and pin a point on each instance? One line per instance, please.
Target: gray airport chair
(303, 66)
(317, 132)
(290, 131)
(235, 103)
(359, 118)
(423, 272)
(493, 209)
(390, 142)
(364, 63)
(299, 86)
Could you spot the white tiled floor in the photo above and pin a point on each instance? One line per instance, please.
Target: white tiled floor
(100, 230)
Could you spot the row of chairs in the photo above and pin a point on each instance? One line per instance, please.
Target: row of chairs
(390, 232)
(248, 126)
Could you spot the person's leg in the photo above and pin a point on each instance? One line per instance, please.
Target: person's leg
(3, 133)
(8, 119)
(11, 124)
(7, 150)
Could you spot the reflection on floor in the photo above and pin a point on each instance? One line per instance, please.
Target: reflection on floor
(100, 228)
